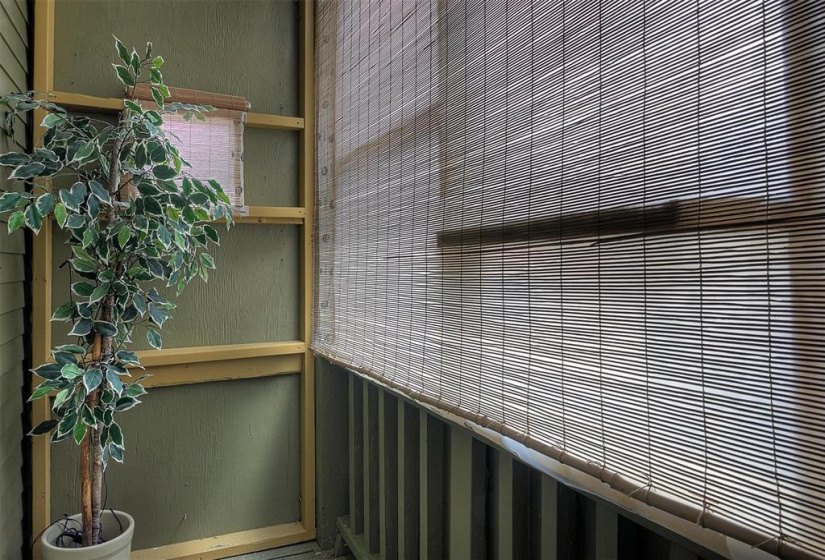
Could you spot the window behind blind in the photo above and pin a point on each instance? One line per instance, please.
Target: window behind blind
(596, 227)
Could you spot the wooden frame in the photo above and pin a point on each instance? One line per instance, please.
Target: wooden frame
(181, 366)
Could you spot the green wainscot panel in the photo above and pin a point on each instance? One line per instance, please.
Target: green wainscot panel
(201, 460)
(237, 47)
(253, 296)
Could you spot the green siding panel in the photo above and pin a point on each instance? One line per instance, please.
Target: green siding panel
(253, 296)
(237, 47)
(13, 77)
(201, 460)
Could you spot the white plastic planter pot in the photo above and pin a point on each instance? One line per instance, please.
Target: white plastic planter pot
(117, 545)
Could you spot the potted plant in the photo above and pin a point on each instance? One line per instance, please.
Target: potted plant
(136, 221)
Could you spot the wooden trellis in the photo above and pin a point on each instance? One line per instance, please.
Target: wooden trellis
(215, 363)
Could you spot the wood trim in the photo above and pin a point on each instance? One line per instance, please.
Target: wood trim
(230, 545)
(198, 354)
(82, 102)
(43, 80)
(272, 215)
(306, 199)
(274, 122)
(221, 370)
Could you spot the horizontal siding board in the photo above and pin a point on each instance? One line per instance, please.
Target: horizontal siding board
(11, 297)
(11, 268)
(11, 326)
(11, 354)
(14, 244)
(14, 69)
(11, 34)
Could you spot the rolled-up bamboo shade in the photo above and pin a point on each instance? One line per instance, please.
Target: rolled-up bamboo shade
(596, 226)
(214, 147)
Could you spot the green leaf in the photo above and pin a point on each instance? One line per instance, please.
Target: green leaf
(133, 106)
(140, 303)
(79, 432)
(116, 434)
(115, 383)
(43, 428)
(99, 192)
(75, 221)
(63, 312)
(158, 315)
(164, 172)
(71, 348)
(60, 214)
(41, 391)
(207, 260)
(88, 416)
(45, 203)
(83, 265)
(62, 397)
(122, 53)
(83, 289)
(28, 171)
(123, 236)
(135, 390)
(16, 220)
(85, 151)
(157, 62)
(99, 293)
(92, 379)
(52, 119)
(105, 328)
(48, 371)
(125, 403)
(124, 75)
(157, 97)
(9, 201)
(70, 371)
(13, 159)
(81, 328)
(126, 357)
(34, 219)
(70, 200)
(115, 452)
(154, 339)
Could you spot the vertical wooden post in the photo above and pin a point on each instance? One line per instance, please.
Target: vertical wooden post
(371, 476)
(431, 472)
(501, 521)
(548, 502)
(306, 199)
(388, 471)
(607, 531)
(356, 454)
(467, 495)
(41, 278)
(408, 481)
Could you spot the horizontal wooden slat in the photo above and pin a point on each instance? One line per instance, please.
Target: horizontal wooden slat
(196, 354)
(242, 542)
(274, 122)
(222, 370)
(81, 102)
(272, 215)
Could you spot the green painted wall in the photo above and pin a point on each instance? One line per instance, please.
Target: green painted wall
(203, 459)
(207, 459)
(13, 77)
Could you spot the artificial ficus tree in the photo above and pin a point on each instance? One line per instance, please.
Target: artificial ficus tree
(135, 221)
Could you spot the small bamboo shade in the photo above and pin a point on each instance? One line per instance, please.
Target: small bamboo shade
(214, 147)
(596, 226)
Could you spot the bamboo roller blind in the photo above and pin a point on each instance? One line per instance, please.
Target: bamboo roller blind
(595, 226)
(214, 147)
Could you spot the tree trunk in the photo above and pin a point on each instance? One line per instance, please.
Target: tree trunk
(86, 456)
